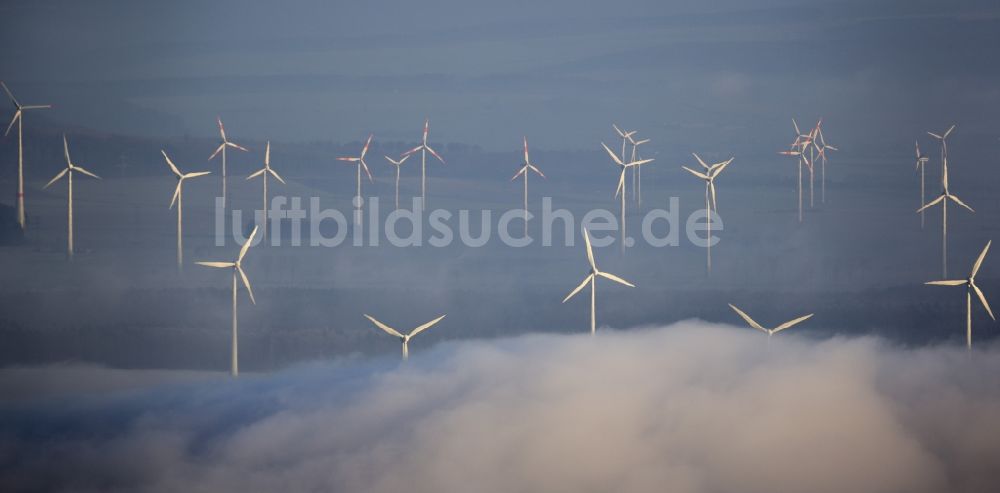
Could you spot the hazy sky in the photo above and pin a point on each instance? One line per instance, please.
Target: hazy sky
(488, 72)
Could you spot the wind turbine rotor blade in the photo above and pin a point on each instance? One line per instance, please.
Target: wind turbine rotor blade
(237, 146)
(66, 151)
(618, 130)
(519, 173)
(217, 265)
(349, 159)
(368, 143)
(10, 95)
(590, 250)
(746, 318)
(791, 323)
(526, 160)
(797, 131)
(711, 190)
(621, 183)
(615, 279)
(177, 192)
(982, 298)
(434, 153)
(536, 170)
(57, 177)
(695, 173)
(17, 114)
(364, 166)
(37, 107)
(81, 170)
(718, 167)
(246, 246)
(932, 203)
(613, 155)
(278, 177)
(640, 163)
(267, 154)
(386, 328)
(427, 127)
(426, 326)
(583, 284)
(170, 163)
(700, 161)
(936, 136)
(979, 260)
(955, 199)
(217, 151)
(222, 129)
(257, 173)
(196, 174)
(246, 283)
(411, 151)
(946, 134)
(955, 282)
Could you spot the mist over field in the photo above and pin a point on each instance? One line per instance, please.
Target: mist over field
(691, 407)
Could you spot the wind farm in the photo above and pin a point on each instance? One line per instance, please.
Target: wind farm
(427, 330)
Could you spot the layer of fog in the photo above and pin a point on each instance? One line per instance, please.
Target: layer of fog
(690, 407)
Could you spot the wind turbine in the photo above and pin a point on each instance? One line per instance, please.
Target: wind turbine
(404, 338)
(592, 279)
(222, 148)
(397, 164)
(970, 286)
(263, 172)
(821, 147)
(921, 164)
(945, 194)
(19, 118)
(523, 170)
(769, 332)
(360, 160)
(711, 172)
(424, 149)
(237, 268)
(69, 170)
(637, 172)
(623, 167)
(179, 200)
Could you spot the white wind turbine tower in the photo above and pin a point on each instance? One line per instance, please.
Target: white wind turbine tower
(360, 160)
(711, 172)
(921, 164)
(623, 167)
(263, 172)
(943, 198)
(592, 280)
(178, 198)
(769, 332)
(523, 170)
(397, 164)
(222, 148)
(970, 287)
(19, 118)
(404, 338)
(237, 268)
(69, 170)
(424, 149)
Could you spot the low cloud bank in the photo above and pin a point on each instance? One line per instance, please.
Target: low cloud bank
(692, 407)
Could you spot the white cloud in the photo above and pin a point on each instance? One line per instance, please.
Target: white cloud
(691, 407)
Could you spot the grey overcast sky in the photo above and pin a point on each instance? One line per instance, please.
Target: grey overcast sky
(488, 72)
